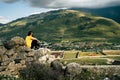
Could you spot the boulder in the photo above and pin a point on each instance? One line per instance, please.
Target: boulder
(11, 66)
(44, 51)
(4, 58)
(22, 62)
(72, 69)
(5, 63)
(29, 59)
(43, 59)
(2, 68)
(18, 41)
(56, 65)
(39, 53)
(20, 56)
(10, 52)
(9, 44)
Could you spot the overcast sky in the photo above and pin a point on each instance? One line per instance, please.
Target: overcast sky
(13, 9)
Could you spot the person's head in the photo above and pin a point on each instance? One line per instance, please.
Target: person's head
(30, 33)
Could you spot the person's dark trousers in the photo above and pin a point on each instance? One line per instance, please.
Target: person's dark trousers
(35, 45)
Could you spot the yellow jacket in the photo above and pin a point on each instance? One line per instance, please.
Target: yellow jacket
(28, 41)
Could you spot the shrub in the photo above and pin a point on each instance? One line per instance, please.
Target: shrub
(35, 71)
(6, 77)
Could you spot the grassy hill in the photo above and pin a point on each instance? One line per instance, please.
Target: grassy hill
(64, 25)
(109, 12)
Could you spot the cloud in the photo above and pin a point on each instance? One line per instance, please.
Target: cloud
(68, 3)
(3, 20)
(44, 10)
(9, 1)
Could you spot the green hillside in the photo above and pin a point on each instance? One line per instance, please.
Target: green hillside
(108, 12)
(64, 25)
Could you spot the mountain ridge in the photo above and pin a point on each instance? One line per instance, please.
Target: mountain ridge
(109, 12)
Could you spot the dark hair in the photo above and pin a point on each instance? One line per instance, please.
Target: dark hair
(29, 33)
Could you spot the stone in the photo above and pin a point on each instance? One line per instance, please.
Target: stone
(4, 58)
(18, 41)
(17, 61)
(26, 49)
(22, 62)
(18, 66)
(10, 52)
(43, 59)
(72, 69)
(110, 61)
(2, 68)
(30, 54)
(9, 44)
(38, 53)
(2, 50)
(51, 58)
(5, 63)
(11, 66)
(29, 59)
(44, 51)
(56, 65)
(20, 56)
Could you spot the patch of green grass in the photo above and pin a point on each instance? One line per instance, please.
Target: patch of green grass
(70, 54)
(89, 54)
(85, 61)
(113, 57)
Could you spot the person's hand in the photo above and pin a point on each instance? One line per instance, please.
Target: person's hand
(39, 41)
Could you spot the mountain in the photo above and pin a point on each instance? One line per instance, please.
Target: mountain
(109, 12)
(1, 24)
(64, 25)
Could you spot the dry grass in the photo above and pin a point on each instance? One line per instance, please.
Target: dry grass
(112, 52)
(18, 23)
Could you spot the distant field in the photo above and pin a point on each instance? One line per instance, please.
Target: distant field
(86, 61)
(112, 52)
(112, 57)
(90, 58)
(72, 53)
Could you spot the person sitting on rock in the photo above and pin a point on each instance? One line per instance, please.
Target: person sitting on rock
(31, 42)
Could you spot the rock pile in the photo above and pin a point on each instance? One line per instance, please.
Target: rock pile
(14, 56)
